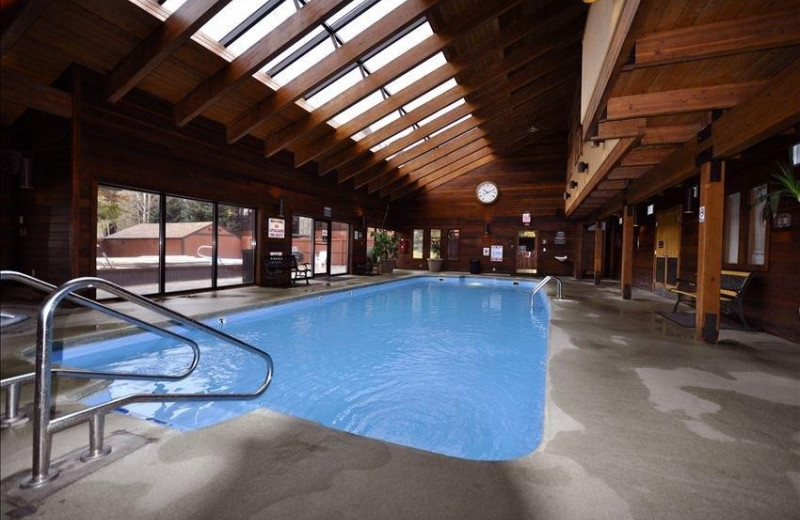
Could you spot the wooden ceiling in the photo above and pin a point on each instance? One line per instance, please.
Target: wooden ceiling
(515, 62)
(673, 68)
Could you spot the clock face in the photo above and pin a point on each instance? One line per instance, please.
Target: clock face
(487, 192)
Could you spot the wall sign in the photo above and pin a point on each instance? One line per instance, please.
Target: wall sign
(701, 214)
(327, 212)
(485, 251)
(496, 254)
(526, 218)
(276, 228)
(782, 220)
(560, 238)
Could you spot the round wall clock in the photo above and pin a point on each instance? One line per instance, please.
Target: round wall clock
(487, 192)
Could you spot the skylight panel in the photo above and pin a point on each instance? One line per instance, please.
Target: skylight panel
(262, 28)
(417, 73)
(305, 62)
(377, 125)
(229, 18)
(399, 47)
(443, 111)
(352, 77)
(451, 125)
(291, 50)
(393, 138)
(172, 5)
(424, 98)
(359, 108)
(365, 19)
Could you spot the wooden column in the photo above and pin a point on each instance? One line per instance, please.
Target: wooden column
(577, 264)
(709, 251)
(598, 252)
(626, 277)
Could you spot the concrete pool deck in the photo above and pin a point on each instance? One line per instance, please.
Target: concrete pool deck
(641, 422)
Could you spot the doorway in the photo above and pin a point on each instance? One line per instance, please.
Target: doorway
(667, 249)
(527, 251)
(323, 244)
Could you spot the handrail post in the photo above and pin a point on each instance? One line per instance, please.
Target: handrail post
(40, 472)
(13, 417)
(96, 432)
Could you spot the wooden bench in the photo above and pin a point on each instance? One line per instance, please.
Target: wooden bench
(732, 287)
(277, 271)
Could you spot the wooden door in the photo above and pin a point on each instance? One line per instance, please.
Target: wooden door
(667, 248)
(527, 252)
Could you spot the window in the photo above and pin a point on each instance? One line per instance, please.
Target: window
(128, 238)
(152, 243)
(731, 245)
(452, 244)
(436, 243)
(757, 240)
(745, 228)
(416, 246)
(796, 154)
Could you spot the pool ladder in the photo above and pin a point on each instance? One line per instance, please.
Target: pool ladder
(43, 425)
(543, 283)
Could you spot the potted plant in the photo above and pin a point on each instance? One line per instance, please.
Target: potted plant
(435, 260)
(384, 250)
(786, 186)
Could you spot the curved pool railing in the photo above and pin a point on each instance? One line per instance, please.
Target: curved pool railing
(543, 283)
(44, 427)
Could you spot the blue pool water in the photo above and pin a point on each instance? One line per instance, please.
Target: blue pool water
(453, 365)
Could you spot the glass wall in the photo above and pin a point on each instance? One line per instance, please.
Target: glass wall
(128, 238)
(322, 244)
(189, 244)
(416, 243)
(152, 243)
(452, 244)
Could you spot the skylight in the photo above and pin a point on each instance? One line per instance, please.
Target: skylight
(242, 23)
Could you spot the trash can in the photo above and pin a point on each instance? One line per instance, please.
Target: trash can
(474, 267)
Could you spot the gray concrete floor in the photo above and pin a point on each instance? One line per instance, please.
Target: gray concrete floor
(641, 422)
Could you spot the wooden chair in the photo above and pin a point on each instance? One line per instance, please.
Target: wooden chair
(300, 271)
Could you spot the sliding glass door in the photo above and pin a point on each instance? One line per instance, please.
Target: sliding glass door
(153, 243)
(323, 244)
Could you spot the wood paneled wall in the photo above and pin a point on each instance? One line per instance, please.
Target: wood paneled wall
(135, 144)
(526, 184)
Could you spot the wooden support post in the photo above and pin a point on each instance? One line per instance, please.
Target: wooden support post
(577, 265)
(598, 252)
(626, 277)
(709, 251)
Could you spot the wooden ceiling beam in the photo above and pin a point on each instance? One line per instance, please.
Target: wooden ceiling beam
(756, 33)
(19, 89)
(695, 99)
(773, 110)
(497, 88)
(407, 156)
(509, 110)
(437, 165)
(343, 57)
(451, 174)
(28, 14)
(318, 147)
(159, 45)
(611, 162)
(455, 169)
(622, 40)
(386, 74)
(646, 156)
(456, 162)
(254, 58)
(418, 165)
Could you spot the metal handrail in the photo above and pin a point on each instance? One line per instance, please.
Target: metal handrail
(13, 417)
(44, 427)
(543, 283)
